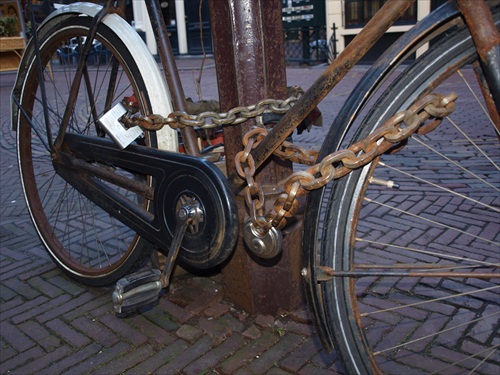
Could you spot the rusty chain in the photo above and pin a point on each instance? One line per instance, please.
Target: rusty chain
(334, 166)
(238, 115)
(296, 154)
(210, 119)
(338, 164)
(245, 167)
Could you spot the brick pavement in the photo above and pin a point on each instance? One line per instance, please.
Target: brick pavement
(50, 324)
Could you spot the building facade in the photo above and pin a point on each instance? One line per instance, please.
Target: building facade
(347, 17)
(182, 18)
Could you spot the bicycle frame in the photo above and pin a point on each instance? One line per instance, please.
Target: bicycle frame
(480, 24)
(479, 21)
(477, 16)
(74, 167)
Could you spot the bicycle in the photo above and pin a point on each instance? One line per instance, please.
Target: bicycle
(92, 186)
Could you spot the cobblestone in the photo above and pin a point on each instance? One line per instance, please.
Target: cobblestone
(50, 324)
(247, 354)
(189, 333)
(195, 351)
(295, 360)
(68, 333)
(124, 330)
(160, 357)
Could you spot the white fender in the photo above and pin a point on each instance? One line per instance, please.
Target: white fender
(156, 86)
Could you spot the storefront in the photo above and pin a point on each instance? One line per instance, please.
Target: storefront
(307, 24)
(304, 28)
(182, 18)
(349, 16)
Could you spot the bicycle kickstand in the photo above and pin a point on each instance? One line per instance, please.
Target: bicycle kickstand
(141, 290)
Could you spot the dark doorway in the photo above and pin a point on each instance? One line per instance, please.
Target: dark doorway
(192, 10)
(194, 36)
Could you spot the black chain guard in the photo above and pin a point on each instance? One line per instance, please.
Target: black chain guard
(176, 176)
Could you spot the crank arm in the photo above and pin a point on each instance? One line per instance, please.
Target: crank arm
(185, 217)
(142, 289)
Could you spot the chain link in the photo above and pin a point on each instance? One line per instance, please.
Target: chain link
(296, 154)
(390, 135)
(210, 119)
(334, 166)
(245, 167)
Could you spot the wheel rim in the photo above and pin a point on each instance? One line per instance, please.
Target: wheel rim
(413, 225)
(81, 237)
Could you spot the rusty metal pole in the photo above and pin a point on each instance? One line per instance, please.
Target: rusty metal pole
(249, 54)
(487, 40)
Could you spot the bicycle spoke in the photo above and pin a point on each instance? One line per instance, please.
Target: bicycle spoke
(434, 222)
(438, 187)
(394, 308)
(66, 220)
(414, 266)
(435, 334)
(473, 93)
(113, 83)
(491, 350)
(437, 254)
(458, 165)
(91, 100)
(484, 359)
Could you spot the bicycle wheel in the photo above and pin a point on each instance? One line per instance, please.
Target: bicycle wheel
(86, 242)
(442, 225)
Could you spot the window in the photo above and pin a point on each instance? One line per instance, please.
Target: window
(359, 12)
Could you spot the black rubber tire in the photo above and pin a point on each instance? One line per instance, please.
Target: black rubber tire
(85, 242)
(336, 224)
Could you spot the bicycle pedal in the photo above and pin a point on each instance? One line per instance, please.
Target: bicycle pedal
(137, 292)
(116, 131)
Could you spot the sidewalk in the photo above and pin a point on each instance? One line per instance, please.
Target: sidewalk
(50, 324)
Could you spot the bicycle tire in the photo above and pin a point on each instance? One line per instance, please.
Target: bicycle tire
(351, 235)
(83, 240)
